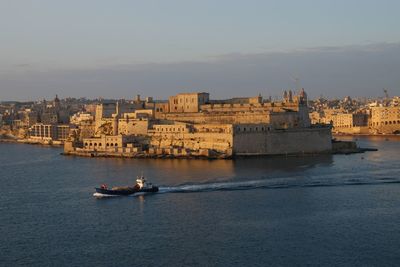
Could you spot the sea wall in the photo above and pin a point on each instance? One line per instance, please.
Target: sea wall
(278, 142)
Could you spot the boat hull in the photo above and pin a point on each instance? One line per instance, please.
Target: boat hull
(125, 191)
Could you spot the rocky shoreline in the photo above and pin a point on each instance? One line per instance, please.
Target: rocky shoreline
(92, 154)
(338, 147)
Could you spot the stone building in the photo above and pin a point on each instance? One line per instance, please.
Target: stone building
(187, 102)
(349, 122)
(108, 115)
(342, 121)
(135, 123)
(110, 143)
(385, 120)
(292, 112)
(49, 132)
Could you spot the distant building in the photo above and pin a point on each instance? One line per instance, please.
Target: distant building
(109, 143)
(43, 131)
(187, 102)
(385, 120)
(81, 117)
(49, 132)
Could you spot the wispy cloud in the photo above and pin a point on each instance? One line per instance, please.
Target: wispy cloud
(332, 70)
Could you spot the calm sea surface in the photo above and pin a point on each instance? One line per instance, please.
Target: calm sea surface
(325, 210)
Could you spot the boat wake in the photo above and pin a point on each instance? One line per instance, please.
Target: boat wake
(100, 195)
(267, 184)
(276, 183)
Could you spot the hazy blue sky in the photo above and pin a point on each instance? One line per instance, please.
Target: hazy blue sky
(118, 48)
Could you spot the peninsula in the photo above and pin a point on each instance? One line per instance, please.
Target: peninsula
(192, 125)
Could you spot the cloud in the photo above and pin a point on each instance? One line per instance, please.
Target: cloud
(334, 71)
(22, 65)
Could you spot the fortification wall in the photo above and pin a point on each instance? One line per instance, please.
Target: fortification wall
(275, 142)
(221, 142)
(133, 126)
(351, 130)
(220, 118)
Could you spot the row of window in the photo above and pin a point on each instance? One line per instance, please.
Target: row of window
(385, 123)
(250, 129)
(187, 100)
(170, 129)
(95, 144)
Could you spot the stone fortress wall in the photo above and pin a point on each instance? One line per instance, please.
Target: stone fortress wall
(193, 123)
(280, 142)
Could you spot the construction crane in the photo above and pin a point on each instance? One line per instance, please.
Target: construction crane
(386, 93)
(386, 101)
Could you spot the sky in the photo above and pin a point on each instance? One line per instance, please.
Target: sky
(120, 48)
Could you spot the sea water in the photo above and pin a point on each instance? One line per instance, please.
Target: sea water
(315, 210)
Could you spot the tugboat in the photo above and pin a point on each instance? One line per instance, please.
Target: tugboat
(141, 186)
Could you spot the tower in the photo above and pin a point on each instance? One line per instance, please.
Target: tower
(56, 103)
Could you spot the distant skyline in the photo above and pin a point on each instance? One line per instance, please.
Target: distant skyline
(117, 49)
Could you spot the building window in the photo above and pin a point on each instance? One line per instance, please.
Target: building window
(107, 144)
